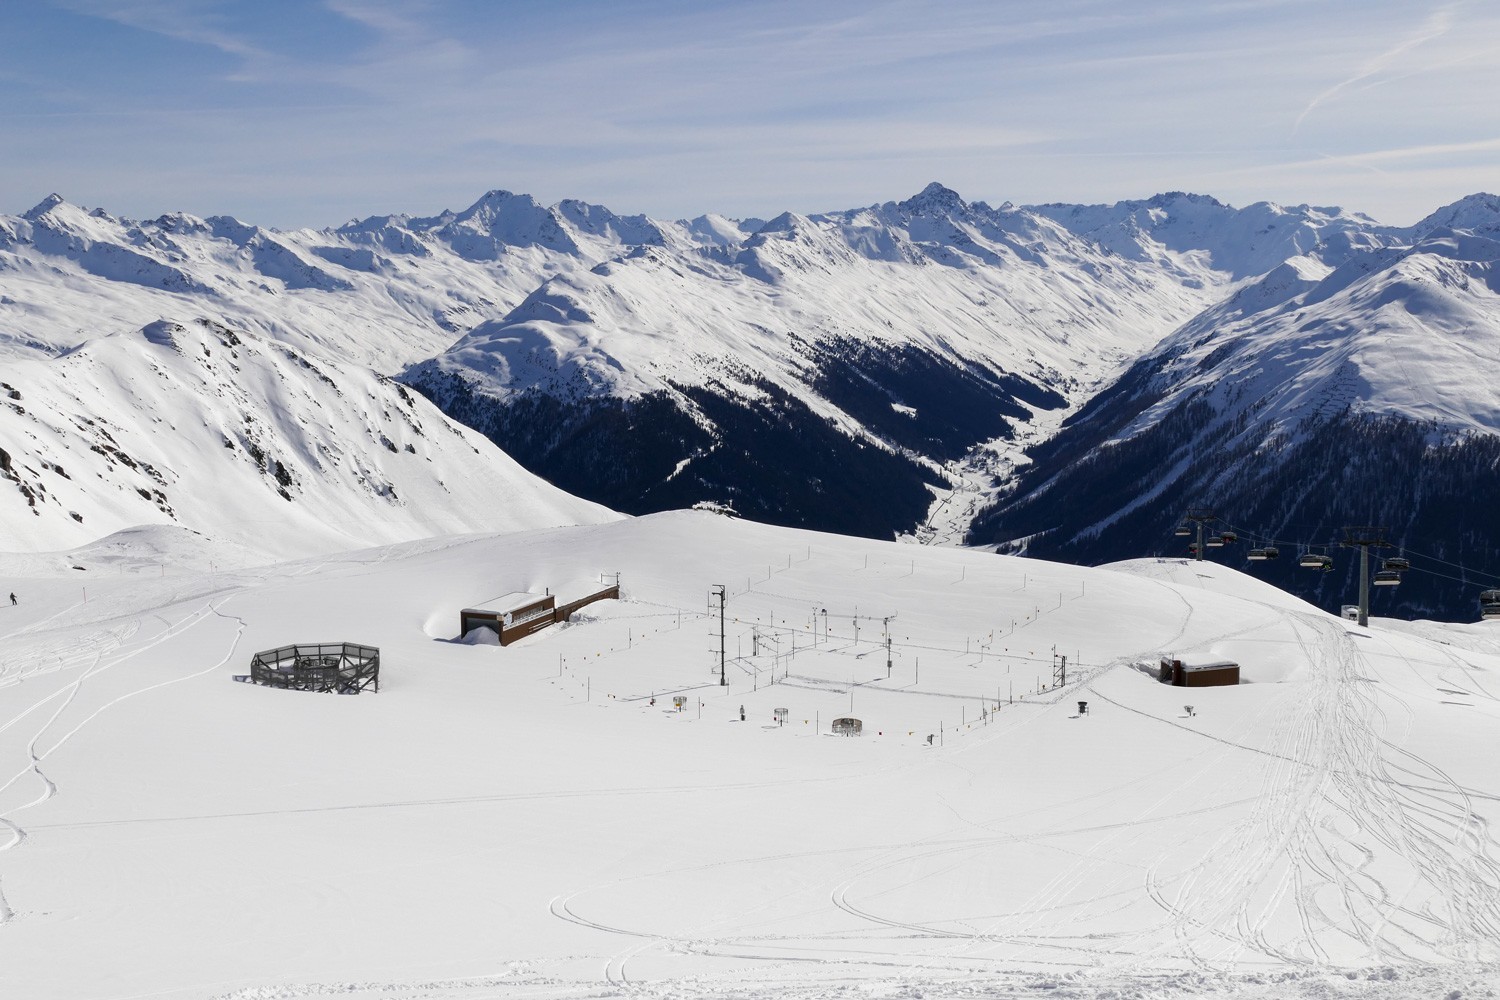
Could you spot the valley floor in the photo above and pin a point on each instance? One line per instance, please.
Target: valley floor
(539, 821)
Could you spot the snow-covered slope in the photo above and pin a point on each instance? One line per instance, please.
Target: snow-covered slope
(916, 330)
(537, 821)
(247, 440)
(1314, 397)
(651, 364)
(1197, 235)
(382, 292)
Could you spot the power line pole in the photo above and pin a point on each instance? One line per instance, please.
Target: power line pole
(719, 593)
(1365, 537)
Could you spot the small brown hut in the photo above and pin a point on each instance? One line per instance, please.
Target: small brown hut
(1213, 673)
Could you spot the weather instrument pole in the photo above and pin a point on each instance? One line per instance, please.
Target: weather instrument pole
(719, 593)
(887, 621)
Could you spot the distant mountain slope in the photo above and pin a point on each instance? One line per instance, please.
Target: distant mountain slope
(247, 440)
(833, 371)
(1188, 231)
(1315, 398)
(382, 292)
(882, 342)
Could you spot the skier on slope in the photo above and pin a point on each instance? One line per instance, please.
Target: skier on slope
(13, 597)
(742, 713)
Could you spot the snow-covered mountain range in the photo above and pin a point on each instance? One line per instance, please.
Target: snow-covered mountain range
(1315, 396)
(847, 371)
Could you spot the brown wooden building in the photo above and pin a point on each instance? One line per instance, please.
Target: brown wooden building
(515, 616)
(1216, 673)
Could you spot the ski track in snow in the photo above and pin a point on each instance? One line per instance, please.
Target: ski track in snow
(1328, 773)
(96, 651)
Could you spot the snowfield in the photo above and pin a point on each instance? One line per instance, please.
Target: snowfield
(524, 822)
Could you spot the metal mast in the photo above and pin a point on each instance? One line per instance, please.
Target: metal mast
(1365, 537)
(1202, 516)
(719, 593)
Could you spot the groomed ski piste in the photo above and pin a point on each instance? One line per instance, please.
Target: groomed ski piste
(523, 821)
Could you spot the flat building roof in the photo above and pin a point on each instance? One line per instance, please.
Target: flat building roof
(508, 602)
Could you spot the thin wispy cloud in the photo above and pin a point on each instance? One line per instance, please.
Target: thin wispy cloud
(194, 21)
(1379, 160)
(1435, 26)
(296, 113)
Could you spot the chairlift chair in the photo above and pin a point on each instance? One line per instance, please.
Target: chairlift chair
(1182, 531)
(1386, 578)
(1314, 560)
(1215, 542)
(1272, 551)
(1397, 564)
(1489, 604)
(1258, 555)
(1229, 537)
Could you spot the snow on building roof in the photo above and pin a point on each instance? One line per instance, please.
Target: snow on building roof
(508, 602)
(1208, 665)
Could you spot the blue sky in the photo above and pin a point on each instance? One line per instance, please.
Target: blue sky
(312, 112)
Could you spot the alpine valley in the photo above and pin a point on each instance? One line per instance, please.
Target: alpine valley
(1058, 380)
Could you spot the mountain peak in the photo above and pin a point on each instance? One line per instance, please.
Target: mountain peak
(1183, 197)
(44, 206)
(1479, 211)
(499, 196)
(934, 198)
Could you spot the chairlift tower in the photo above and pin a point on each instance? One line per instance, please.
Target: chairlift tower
(1200, 516)
(1365, 538)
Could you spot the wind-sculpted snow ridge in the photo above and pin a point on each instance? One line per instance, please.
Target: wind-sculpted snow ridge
(542, 820)
(247, 440)
(1315, 397)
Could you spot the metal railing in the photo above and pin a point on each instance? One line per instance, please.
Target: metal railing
(344, 667)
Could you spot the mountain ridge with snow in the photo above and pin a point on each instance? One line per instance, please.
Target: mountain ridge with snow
(248, 440)
(918, 346)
